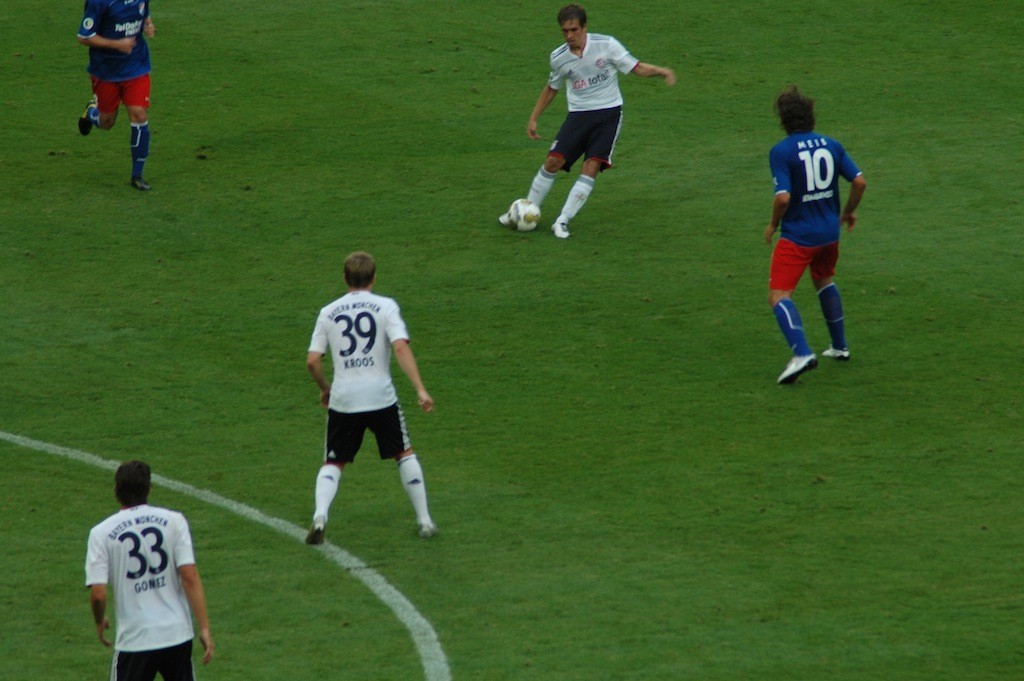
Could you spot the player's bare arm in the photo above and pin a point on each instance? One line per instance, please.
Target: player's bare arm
(779, 206)
(123, 45)
(98, 603)
(315, 366)
(193, 586)
(547, 95)
(857, 187)
(406, 360)
(650, 71)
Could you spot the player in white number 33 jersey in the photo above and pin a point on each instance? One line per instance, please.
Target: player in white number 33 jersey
(145, 554)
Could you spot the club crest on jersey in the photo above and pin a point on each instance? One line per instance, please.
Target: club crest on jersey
(601, 63)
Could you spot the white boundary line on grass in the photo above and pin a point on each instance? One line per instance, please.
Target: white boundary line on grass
(435, 664)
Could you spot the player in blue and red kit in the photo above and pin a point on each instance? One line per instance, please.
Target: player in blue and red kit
(806, 167)
(115, 32)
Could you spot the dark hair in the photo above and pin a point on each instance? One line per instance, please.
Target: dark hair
(796, 110)
(132, 483)
(360, 269)
(570, 12)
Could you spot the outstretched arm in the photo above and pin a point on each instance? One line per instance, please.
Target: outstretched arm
(406, 360)
(650, 70)
(547, 95)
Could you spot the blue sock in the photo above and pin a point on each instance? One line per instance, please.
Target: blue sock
(792, 326)
(832, 308)
(94, 115)
(140, 147)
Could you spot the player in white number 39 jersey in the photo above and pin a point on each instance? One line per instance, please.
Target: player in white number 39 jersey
(361, 330)
(145, 554)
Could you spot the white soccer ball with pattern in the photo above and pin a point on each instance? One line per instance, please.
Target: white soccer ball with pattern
(524, 214)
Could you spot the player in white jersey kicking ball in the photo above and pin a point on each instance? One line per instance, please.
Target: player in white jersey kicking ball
(144, 553)
(361, 329)
(588, 64)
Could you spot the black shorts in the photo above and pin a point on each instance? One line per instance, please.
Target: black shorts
(345, 433)
(589, 133)
(173, 664)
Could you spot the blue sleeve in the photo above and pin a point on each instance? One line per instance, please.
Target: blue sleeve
(90, 18)
(847, 168)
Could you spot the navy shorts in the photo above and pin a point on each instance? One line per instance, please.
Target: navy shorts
(345, 433)
(173, 664)
(591, 134)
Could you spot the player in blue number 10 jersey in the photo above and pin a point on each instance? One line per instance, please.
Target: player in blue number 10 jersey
(115, 32)
(806, 167)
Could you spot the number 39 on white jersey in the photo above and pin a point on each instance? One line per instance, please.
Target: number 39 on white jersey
(359, 329)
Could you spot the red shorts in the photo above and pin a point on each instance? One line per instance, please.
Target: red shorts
(789, 261)
(134, 92)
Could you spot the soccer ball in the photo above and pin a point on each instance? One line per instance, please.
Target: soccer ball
(523, 215)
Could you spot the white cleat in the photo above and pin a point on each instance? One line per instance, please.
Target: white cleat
(428, 530)
(561, 230)
(797, 366)
(841, 355)
(506, 220)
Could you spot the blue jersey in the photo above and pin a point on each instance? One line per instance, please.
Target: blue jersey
(116, 19)
(808, 166)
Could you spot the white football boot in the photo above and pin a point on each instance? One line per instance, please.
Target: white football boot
(797, 366)
(560, 229)
(841, 355)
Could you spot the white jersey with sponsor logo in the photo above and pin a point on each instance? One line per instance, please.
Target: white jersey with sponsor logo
(138, 551)
(359, 329)
(592, 79)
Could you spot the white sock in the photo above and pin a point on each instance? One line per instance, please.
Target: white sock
(577, 197)
(327, 481)
(540, 187)
(411, 473)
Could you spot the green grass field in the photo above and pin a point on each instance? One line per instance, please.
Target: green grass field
(623, 491)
